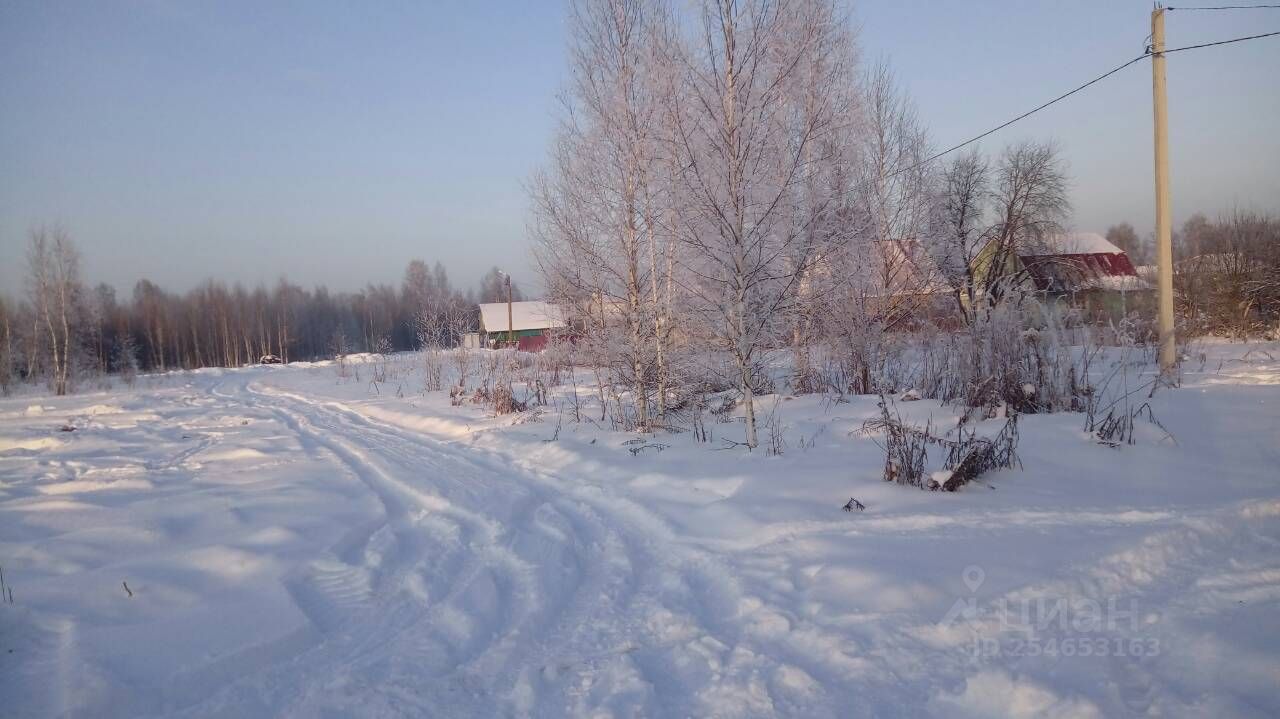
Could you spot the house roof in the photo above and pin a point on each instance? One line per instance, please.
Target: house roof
(1078, 261)
(532, 315)
(1072, 243)
(1077, 271)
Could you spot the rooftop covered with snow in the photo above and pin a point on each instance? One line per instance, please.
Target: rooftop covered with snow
(529, 315)
(1073, 243)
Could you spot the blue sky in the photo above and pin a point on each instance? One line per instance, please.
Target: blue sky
(331, 142)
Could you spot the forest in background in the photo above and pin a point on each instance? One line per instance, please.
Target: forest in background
(64, 331)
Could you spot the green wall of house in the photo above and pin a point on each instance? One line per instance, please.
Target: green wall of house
(518, 333)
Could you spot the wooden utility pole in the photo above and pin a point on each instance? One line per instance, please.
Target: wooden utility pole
(511, 327)
(1164, 232)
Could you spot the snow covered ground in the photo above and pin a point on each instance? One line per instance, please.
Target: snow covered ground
(295, 544)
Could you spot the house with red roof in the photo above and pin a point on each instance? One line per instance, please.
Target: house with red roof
(1083, 270)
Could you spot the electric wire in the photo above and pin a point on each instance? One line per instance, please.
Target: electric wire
(1149, 51)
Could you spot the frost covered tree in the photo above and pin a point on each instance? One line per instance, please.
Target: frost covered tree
(1029, 203)
(697, 180)
(124, 359)
(824, 111)
(962, 211)
(743, 152)
(875, 274)
(987, 212)
(599, 206)
(99, 317)
(892, 179)
(54, 287)
(150, 307)
(433, 313)
(1232, 285)
(6, 346)
(418, 287)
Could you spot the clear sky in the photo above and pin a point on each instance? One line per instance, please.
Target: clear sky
(331, 142)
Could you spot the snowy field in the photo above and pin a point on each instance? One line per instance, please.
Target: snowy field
(277, 541)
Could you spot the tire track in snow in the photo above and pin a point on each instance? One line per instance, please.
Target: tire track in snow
(665, 602)
(529, 523)
(460, 624)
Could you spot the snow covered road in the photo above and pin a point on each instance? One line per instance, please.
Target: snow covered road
(296, 548)
(490, 589)
(482, 591)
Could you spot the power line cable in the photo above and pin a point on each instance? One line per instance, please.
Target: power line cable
(1026, 114)
(1227, 7)
(1220, 42)
(1069, 93)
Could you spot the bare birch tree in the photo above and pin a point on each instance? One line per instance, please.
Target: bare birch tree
(743, 159)
(6, 347)
(597, 208)
(54, 284)
(877, 274)
(892, 201)
(824, 90)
